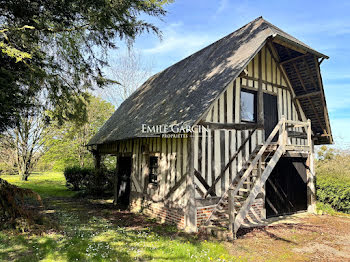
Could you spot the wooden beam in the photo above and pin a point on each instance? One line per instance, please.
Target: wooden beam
(237, 126)
(325, 110)
(290, 46)
(296, 134)
(289, 85)
(260, 94)
(320, 62)
(190, 209)
(273, 51)
(317, 93)
(293, 59)
(222, 173)
(202, 180)
(310, 101)
(286, 79)
(263, 81)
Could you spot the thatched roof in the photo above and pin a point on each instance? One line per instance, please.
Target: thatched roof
(182, 93)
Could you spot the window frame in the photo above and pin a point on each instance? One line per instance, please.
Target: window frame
(150, 182)
(255, 113)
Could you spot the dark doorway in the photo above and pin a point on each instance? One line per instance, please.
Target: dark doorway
(124, 186)
(286, 188)
(270, 115)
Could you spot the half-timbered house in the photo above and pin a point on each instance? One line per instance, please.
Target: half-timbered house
(255, 105)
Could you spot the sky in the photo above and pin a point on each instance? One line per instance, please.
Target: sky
(324, 25)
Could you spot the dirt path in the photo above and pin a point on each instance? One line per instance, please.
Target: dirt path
(311, 238)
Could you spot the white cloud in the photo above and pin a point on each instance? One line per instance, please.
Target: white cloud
(176, 40)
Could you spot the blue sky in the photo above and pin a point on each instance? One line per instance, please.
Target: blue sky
(324, 25)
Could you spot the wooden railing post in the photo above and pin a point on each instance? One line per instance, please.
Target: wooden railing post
(282, 131)
(231, 208)
(309, 138)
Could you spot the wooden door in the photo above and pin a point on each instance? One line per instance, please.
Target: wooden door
(124, 184)
(270, 115)
(286, 188)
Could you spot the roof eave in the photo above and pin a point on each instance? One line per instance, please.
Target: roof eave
(305, 48)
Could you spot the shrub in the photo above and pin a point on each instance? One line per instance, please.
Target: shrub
(91, 181)
(333, 182)
(334, 192)
(75, 175)
(6, 169)
(99, 182)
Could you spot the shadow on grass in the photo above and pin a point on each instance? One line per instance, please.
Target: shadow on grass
(268, 230)
(92, 231)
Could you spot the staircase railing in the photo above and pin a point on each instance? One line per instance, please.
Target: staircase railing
(234, 180)
(222, 173)
(283, 142)
(282, 128)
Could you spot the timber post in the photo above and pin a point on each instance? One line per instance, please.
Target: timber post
(97, 159)
(190, 218)
(231, 209)
(311, 188)
(115, 191)
(260, 95)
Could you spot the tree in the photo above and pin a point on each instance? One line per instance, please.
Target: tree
(325, 153)
(66, 144)
(60, 46)
(131, 71)
(24, 142)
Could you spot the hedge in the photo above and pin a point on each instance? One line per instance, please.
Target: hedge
(334, 191)
(89, 180)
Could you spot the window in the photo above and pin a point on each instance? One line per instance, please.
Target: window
(153, 170)
(248, 106)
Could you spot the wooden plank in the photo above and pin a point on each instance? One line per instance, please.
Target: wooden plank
(260, 94)
(265, 82)
(237, 153)
(237, 126)
(200, 178)
(238, 100)
(290, 46)
(293, 59)
(173, 162)
(209, 146)
(310, 101)
(227, 159)
(325, 110)
(307, 95)
(204, 154)
(217, 158)
(230, 103)
(222, 110)
(190, 210)
(178, 159)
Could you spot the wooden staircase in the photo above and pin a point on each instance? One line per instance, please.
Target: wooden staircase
(234, 205)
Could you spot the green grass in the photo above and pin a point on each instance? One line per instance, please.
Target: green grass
(47, 184)
(92, 232)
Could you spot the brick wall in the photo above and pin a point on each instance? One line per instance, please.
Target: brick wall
(164, 213)
(173, 215)
(203, 214)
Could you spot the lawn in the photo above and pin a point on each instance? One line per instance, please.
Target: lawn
(47, 184)
(93, 230)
